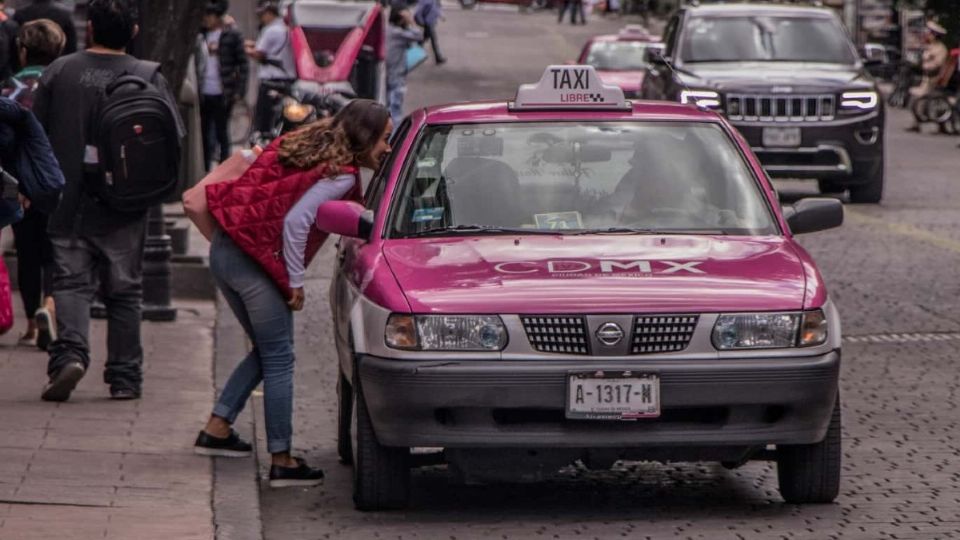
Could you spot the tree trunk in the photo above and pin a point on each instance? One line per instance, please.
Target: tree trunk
(168, 34)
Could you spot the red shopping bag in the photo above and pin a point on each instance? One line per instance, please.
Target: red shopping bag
(6, 299)
(195, 198)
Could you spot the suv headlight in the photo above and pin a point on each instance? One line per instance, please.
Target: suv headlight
(769, 330)
(854, 101)
(446, 332)
(700, 98)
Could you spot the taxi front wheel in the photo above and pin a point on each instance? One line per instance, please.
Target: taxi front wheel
(381, 474)
(344, 413)
(810, 473)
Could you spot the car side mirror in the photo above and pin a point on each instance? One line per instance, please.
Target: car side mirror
(654, 55)
(874, 54)
(813, 215)
(346, 218)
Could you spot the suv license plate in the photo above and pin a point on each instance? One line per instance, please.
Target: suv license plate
(612, 395)
(787, 136)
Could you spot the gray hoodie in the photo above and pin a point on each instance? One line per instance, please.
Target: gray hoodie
(399, 40)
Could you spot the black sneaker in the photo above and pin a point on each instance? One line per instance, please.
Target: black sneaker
(63, 382)
(231, 446)
(124, 393)
(301, 476)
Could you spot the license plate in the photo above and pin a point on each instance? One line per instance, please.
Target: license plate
(787, 136)
(613, 395)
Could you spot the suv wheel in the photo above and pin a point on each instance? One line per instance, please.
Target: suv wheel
(869, 180)
(344, 413)
(381, 474)
(810, 473)
(826, 186)
(468, 4)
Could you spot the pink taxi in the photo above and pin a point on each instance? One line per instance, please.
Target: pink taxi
(572, 276)
(621, 59)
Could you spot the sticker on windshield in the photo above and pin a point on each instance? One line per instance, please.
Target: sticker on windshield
(421, 215)
(559, 220)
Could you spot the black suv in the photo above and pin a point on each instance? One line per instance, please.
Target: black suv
(790, 79)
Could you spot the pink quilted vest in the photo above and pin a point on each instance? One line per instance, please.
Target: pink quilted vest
(251, 210)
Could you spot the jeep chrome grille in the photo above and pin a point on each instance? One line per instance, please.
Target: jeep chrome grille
(662, 333)
(557, 334)
(781, 108)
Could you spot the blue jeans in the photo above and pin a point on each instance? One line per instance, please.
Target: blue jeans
(268, 322)
(395, 94)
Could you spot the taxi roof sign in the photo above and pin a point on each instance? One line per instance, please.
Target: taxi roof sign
(569, 87)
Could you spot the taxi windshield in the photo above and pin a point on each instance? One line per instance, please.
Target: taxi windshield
(766, 38)
(617, 55)
(579, 178)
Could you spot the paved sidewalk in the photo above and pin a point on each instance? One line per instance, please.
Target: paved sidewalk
(95, 468)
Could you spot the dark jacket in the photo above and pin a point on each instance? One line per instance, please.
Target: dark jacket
(46, 9)
(234, 65)
(8, 47)
(25, 152)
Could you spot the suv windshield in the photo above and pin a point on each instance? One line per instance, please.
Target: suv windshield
(617, 55)
(766, 38)
(603, 177)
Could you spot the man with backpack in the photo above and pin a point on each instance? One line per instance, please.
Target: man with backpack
(114, 127)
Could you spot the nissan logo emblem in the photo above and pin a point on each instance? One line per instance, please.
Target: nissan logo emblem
(610, 334)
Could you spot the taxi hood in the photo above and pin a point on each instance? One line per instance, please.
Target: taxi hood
(597, 274)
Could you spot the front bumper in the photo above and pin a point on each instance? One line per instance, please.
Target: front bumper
(828, 150)
(502, 404)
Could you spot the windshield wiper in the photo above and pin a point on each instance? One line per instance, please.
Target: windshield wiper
(475, 229)
(629, 230)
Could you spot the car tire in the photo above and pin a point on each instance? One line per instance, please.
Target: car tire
(344, 413)
(381, 474)
(829, 187)
(869, 182)
(810, 473)
(468, 4)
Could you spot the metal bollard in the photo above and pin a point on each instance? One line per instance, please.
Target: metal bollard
(156, 269)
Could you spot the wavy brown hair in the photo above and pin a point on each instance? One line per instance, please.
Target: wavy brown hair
(345, 139)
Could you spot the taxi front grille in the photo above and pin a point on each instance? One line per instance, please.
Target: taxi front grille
(781, 108)
(662, 333)
(557, 334)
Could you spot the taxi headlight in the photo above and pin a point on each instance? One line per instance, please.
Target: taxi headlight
(446, 332)
(296, 112)
(859, 100)
(769, 330)
(700, 98)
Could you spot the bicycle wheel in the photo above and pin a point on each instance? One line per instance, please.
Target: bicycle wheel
(241, 117)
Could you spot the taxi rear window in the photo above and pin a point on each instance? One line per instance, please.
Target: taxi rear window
(617, 55)
(656, 177)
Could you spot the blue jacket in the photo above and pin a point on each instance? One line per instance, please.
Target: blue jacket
(427, 12)
(25, 152)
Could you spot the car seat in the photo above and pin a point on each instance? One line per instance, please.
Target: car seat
(482, 191)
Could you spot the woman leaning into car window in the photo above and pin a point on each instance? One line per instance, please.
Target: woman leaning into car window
(258, 258)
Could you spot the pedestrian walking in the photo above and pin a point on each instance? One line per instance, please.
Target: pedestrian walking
(40, 43)
(92, 240)
(288, 182)
(47, 9)
(273, 53)
(402, 33)
(428, 14)
(576, 7)
(8, 43)
(222, 71)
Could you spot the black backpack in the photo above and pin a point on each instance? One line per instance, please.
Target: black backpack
(132, 160)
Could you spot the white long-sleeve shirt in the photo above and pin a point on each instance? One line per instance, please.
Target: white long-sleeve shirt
(300, 218)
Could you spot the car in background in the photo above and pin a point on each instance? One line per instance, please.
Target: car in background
(522, 4)
(573, 276)
(790, 79)
(621, 59)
